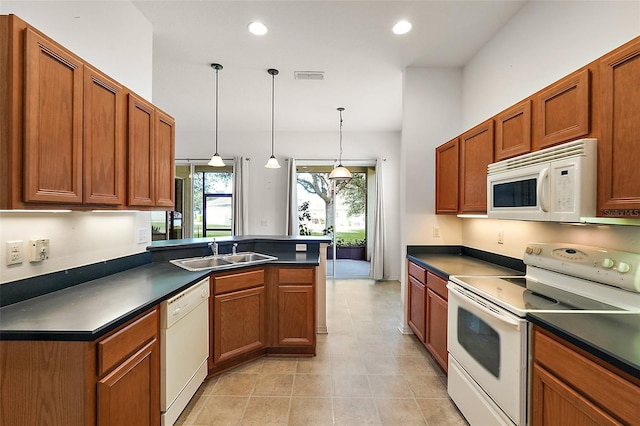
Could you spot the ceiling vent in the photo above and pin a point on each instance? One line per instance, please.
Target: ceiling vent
(309, 75)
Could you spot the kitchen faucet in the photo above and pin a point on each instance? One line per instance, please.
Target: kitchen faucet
(234, 248)
(214, 247)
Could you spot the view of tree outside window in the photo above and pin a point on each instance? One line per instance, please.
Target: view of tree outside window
(317, 205)
(212, 203)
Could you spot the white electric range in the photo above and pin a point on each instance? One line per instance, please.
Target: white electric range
(488, 334)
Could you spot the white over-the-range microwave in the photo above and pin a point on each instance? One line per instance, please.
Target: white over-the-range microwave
(556, 184)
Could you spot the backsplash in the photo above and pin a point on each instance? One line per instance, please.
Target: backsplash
(76, 239)
(483, 234)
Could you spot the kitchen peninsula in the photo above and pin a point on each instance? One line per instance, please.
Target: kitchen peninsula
(58, 348)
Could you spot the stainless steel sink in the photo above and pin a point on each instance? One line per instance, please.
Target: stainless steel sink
(247, 257)
(222, 261)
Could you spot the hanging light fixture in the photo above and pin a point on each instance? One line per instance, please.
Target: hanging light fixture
(216, 160)
(272, 163)
(340, 172)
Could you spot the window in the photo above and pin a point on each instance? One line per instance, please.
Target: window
(212, 202)
(203, 204)
(326, 208)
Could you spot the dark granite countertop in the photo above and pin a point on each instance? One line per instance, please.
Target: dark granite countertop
(90, 309)
(612, 337)
(446, 264)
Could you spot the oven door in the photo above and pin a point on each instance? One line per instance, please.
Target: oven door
(490, 344)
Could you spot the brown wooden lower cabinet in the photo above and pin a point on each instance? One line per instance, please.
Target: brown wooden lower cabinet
(112, 381)
(295, 309)
(239, 323)
(126, 395)
(417, 307)
(436, 338)
(427, 315)
(571, 387)
(264, 310)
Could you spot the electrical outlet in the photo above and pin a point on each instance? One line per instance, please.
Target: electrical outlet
(142, 236)
(301, 247)
(14, 252)
(436, 231)
(501, 237)
(38, 250)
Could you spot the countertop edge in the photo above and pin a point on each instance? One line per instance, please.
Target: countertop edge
(588, 346)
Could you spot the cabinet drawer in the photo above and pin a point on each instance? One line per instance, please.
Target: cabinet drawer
(418, 272)
(604, 387)
(238, 281)
(437, 285)
(295, 276)
(118, 346)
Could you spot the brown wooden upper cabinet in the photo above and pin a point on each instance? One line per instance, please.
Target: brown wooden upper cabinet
(52, 122)
(64, 132)
(447, 160)
(562, 111)
(619, 143)
(104, 139)
(164, 152)
(513, 131)
(141, 139)
(476, 153)
(151, 154)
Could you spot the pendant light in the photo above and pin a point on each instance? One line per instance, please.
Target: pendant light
(216, 160)
(340, 172)
(272, 163)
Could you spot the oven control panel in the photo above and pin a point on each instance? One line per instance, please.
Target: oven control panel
(613, 267)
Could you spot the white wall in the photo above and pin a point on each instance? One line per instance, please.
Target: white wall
(117, 39)
(542, 43)
(268, 187)
(111, 35)
(431, 116)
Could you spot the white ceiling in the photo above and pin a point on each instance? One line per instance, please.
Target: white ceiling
(351, 41)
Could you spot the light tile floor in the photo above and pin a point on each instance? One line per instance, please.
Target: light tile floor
(365, 373)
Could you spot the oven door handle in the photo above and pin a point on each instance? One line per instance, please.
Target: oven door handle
(503, 318)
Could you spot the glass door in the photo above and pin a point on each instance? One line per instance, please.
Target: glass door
(339, 210)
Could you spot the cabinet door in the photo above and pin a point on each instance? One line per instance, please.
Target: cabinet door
(141, 118)
(164, 154)
(562, 110)
(619, 144)
(476, 153)
(555, 403)
(104, 139)
(417, 313)
(436, 337)
(513, 131)
(239, 323)
(447, 159)
(130, 394)
(296, 315)
(52, 123)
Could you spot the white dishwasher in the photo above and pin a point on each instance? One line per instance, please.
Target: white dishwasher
(184, 340)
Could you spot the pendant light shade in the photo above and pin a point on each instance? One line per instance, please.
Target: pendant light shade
(216, 160)
(272, 163)
(340, 172)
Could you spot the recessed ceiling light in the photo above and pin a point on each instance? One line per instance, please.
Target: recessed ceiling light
(257, 28)
(402, 27)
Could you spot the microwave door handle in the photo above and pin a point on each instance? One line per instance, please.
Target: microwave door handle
(542, 194)
(496, 315)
